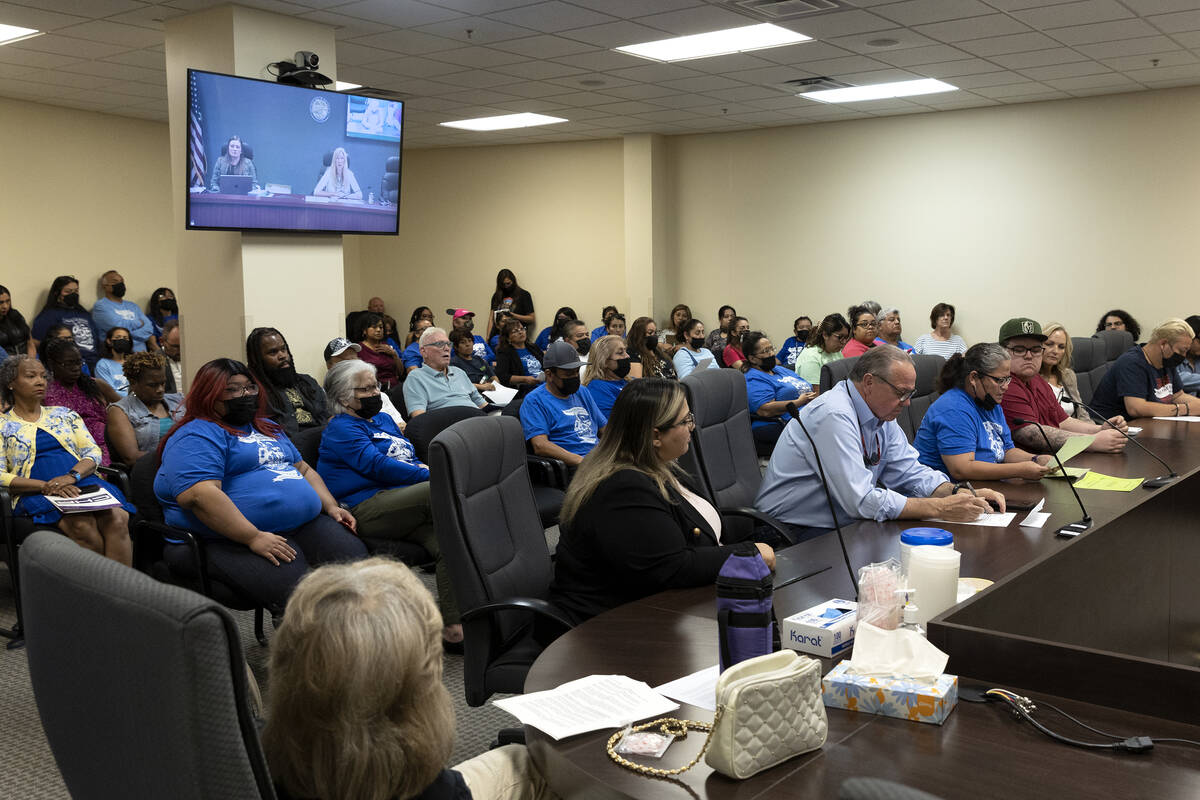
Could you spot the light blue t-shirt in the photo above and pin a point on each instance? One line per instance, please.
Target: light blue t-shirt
(686, 362)
(956, 424)
(573, 423)
(109, 314)
(112, 373)
(778, 384)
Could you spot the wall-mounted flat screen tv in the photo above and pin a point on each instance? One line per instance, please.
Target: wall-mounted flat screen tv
(265, 156)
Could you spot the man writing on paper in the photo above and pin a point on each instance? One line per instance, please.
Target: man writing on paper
(1029, 397)
(1144, 381)
(871, 469)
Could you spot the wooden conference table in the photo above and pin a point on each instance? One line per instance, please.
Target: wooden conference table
(287, 212)
(1105, 626)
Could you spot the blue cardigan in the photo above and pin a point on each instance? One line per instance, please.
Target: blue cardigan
(361, 457)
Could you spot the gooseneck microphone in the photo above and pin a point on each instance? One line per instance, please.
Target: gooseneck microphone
(1073, 528)
(1149, 483)
(795, 414)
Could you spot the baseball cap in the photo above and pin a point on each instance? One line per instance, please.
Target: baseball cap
(338, 346)
(459, 312)
(561, 355)
(1021, 326)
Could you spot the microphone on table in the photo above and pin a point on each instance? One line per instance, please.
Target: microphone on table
(795, 413)
(1149, 483)
(1073, 528)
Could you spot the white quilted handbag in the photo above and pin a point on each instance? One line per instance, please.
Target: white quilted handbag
(769, 709)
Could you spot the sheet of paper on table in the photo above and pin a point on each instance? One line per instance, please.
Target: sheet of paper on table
(698, 689)
(1036, 518)
(1094, 480)
(1072, 472)
(587, 704)
(1181, 419)
(986, 520)
(1073, 446)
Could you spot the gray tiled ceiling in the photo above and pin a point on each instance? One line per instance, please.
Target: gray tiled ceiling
(556, 57)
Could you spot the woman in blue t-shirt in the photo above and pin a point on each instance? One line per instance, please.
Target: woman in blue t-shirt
(795, 343)
(607, 371)
(963, 433)
(769, 389)
(231, 476)
(518, 361)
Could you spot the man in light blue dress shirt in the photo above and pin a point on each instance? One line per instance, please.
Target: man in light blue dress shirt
(872, 470)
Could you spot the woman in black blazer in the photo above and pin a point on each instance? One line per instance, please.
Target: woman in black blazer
(632, 524)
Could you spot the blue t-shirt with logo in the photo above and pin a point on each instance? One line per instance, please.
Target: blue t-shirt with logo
(258, 473)
(605, 394)
(483, 350)
(83, 328)
(573, 423)
(529, 361)
(956, 424)
(766, 387)
(790, 352)
(360, 457)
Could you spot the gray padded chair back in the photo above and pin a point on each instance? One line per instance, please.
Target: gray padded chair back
(1086, 353)
(1115, 343)
(835, 372)
(1086, 387)
(928, 367)
(490, 534)
(1094, 376)
(164, 712)
(723, 444)
(308, 442)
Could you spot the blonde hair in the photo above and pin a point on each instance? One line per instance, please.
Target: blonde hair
(356, 707)
(1173, 328)
(1049, 329)
(602, 350)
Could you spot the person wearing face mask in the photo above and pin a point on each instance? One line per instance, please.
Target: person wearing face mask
(732, 355)
(606, 313)
(560, 418)
(964, 433)
(113, 310)
(509, 301)
(769, 389)
(692, 354)
(553, 332)
(294, 400)
(518, 361)
(1189, 368)
(110, 369)
(368, 465)
(575, 333)
(1145, 381)
(607, 371)
(796, 342)
(646, 359)
(232, 477)
(463, 320)
(163, 308)
(63, 308)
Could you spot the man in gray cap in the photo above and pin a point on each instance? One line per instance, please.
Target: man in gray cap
(1029, 398)
(560, 418)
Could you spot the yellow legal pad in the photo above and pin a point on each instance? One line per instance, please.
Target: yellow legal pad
(1094, 480)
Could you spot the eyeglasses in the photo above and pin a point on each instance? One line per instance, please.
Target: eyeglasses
(245, 390)
(367, 391)
(1020, 350)
(868, 325)
(689, 420)
(901, 394)
(1001, 382)
(842, 337)
(442, 345)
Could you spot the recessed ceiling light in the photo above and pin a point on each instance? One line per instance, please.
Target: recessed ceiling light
(879, 91)
(715, 43)
(342, 86)
(883, 42)
(15, 33)
(503, 122)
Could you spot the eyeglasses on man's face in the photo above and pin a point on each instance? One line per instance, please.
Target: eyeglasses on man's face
(1020, 350)
(901, 394)
(442, 345)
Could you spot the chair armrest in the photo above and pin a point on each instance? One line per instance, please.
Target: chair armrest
(548, 471)
(116, 476)
(194, 543)
(540, 607)
(760, 517)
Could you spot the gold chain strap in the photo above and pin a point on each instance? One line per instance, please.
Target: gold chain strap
(667, 726)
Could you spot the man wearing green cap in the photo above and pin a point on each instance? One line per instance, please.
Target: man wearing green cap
(1029, 398)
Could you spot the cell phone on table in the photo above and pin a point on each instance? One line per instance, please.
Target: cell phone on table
(1019, 505)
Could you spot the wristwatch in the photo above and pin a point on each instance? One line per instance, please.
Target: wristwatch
(75, 474)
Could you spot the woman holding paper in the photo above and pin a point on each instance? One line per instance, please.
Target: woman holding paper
(48, 452)
(692, 354)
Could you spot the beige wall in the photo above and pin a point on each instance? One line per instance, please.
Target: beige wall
(552, 213)
(1056, 210)
(83, 193)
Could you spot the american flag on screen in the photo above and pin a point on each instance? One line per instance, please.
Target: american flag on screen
(196, 137)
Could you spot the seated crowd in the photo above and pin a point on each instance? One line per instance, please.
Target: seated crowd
(82, 390)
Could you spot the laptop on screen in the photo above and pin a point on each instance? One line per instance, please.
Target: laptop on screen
(235, 184)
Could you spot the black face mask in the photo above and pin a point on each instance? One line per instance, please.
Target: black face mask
(122, 346)
(469, 325)
(696, 342)
(569, 385)
(71, 300)
(240, 411)
(767, 362)
(987, 402)
(168, 304)
(368, 407)
(118, 289)
(802, 337)
(652, 341)
(1172, 361)
(583, 346)
(622, 368)
(281, 376)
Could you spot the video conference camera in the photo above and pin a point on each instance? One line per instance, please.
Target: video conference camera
(301, 70)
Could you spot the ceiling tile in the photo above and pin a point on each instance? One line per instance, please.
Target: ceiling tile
(1038, 58)
(1069, 14)
(414, 66)
(607, 81)
(1019, 5)
(147, 16)
(616, 34)
(626, 107)
(31, 58)
(1148, 7)
(632, 8)
(840, 66)
(722, 65)
(601, 60)
(15, 70)
(953, 69)
(920, 12)
(63, 45)
(407, 42)
(742, 94)
(477, 79)
(1066, 70)
(670, 115)
(1161, 73)
(36, 18)
(656, 73)
(771, 76)
(1092, 82)
(544, 46)
(1141, 62)
(1015, 43)
(642, 91)
(538, 70)
(85, 8)
(478, 57)
(533, 89)
(932, 54)
(841, 23)
(482, 30)
(1014, 90)
(685, 100)
(402, 15)
(1103, 32)
(1189, 39)
(698, 19)
(141, 58)
(344, 27)
(987, 79)
(122, 72)
(353, 54)
(552, 17)
(1177, 23)
(74, 81)
(905, 40)
(1131, 47)
(113, 33)
(963, 30)
(702, 84)
(877, 76)
(798, 53)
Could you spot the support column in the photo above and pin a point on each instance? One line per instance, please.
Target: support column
(230, 283)
(647, 274)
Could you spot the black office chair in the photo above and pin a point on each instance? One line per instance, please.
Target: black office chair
(495, 549)
(722, 457)
(389, 185)
(1116, 343)
(1089, 360)
(835, 372)
(171, 717)
(152, 525)
(247, 150)
(928, 368)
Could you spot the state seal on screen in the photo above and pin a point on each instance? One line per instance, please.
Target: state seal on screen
(318, 109)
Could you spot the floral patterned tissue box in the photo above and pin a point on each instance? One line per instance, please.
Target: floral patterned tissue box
(891, 697)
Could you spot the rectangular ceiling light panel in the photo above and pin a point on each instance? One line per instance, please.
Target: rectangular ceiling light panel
(716, 43)
(880, 91)
(503, 122)
(15, 33)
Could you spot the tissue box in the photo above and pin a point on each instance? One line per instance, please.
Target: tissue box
(891, 697)
(826, 630)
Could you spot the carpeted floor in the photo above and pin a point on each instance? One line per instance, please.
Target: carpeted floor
(27, 768)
